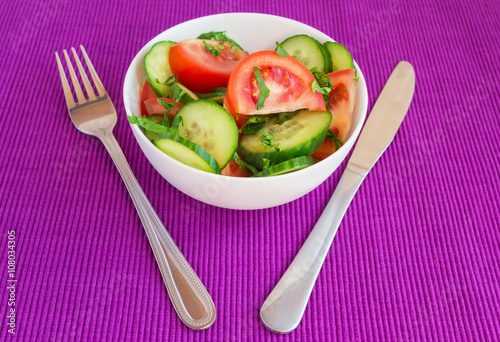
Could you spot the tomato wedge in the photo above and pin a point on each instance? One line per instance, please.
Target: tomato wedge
(341, 105)
(288, 80)
(146, 93)
(154, 107)
(200, 70)
(341, 101)
(234, 170)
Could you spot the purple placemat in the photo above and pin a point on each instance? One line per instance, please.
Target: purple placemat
(417, 254)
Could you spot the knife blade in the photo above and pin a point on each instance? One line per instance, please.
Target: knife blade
(283, 309)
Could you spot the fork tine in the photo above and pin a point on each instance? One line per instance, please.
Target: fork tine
(97, 81)
(83, 75)
(76, 84)
(70, 101)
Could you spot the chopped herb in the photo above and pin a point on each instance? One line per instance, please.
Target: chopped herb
(148, 124)
(254, 124)
(334, 140)
(215, 50)
(280, 50)
(285, 116)
(244, 165)
(181, 120)
(268, 138)
(356, 79)
(263, 89)
(266, 163)
(167, 105)
(322, 84)
(221, 37)
(317, 89)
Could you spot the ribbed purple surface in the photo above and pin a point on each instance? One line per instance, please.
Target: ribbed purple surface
(417, 254)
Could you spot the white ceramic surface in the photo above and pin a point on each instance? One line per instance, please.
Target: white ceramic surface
(253, 32)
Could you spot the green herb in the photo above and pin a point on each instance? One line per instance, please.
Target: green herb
(254, 124)
(356, 79)
(167, 105)
(267, 138)
(322, 84)
(266, 163)
(285, 116)
(263, 89)
(215, 93)
(221, 37)
(181, 120)
(215, 50)
(334, 140)
(280, 50)
(244, 165)
(147, 124)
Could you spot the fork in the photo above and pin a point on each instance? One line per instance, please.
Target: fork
(96, 115)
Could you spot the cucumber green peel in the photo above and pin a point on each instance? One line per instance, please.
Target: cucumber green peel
(187, 152)
(290, 165)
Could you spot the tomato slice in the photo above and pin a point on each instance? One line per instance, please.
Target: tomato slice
(239, 118)
(288, 80)
(341, 105)
(154, 107)
(199, 70)
(146, 93)
(233, 169)
(341, 101)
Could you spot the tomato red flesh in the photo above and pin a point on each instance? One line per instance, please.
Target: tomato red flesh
(341, 105)
(341, 101)
(154, 107)
(146, 93)
(288, 80)
(234, 170)
(198, 69)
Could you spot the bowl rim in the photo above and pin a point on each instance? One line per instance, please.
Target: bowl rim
(353, 134)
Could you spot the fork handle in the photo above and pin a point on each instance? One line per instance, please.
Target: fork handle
(191, 300)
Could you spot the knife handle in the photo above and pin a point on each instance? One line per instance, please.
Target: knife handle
(285, 305)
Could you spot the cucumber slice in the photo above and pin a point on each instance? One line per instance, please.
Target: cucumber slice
(158, 118)
(187, 152)
(341, 57)
(210, 126)
(298, 136)
(309, 52)
(286, 166)
(158, 69)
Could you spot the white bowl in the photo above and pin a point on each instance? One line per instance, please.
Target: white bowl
(254, 32)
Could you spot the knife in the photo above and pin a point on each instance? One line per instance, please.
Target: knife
(285, 305)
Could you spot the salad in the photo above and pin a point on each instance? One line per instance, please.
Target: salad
(212, 105)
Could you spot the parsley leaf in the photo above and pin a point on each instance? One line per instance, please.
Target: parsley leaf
(264, 90)
(267, 138)
(334, 140)
(213, 49)
(266, 163)
(285, 116)
(322, 84)
(254, 124)
(280, 50)
(147, 124)
(221, 37)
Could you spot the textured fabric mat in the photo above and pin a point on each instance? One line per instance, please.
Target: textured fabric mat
(417, 254)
